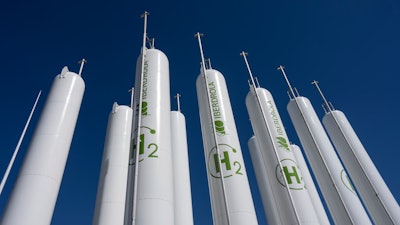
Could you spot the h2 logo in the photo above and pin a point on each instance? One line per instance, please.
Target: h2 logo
(222, 163)
(145, 150)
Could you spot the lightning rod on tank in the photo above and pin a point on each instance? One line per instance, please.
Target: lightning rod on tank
(294, 204)
(36, 189)
(254, 89)
(203, 73)
(337, 189)
(111, 192)
(130, 208)
(181, 176)
(370, 185)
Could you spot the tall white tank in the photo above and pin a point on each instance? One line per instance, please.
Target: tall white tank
(155, 192)
(34, 195)
(182, 192)
(264, 182)
(294, 204)
(378, 199)
(310, 186)
(342, 200)
(110, 200)
(237, 194)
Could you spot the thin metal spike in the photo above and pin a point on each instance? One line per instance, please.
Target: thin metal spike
(281, 68)
(177, 96)
(328, 107)
(82, 62)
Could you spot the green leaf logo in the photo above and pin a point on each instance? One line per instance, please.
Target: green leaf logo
(283, 143)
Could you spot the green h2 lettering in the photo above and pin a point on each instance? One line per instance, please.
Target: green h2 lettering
(225, 161)
(288, 174)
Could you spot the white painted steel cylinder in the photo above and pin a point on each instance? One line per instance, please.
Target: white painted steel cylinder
(343, 203)
(378, 199)
(182, 192)
(309, 183)
(295, 208)
(263, 182)
(111, 192)
(238, 194)
(155, 192)
(34, 195)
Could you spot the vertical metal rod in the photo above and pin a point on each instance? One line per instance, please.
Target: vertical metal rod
(82, 62)
(3, 181)
(244, 54)
(132, 91)
(203, 71)
(177, 96)
(281, 68)
(136, 152)
(322, 95)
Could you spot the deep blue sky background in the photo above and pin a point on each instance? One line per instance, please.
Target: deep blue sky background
(351, 47)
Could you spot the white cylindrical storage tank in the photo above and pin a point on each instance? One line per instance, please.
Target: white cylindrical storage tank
(182, 192)
(110, 200)
(296, 207)
(264, 183)
(378, 199)
(155, 192)
(310, 186)
(34, 195)
(231, 165)
(342, 200)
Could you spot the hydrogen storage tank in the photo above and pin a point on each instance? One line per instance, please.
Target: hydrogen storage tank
(35, 192)
(378, 199)
(263, 182)
(155, 193)
(310, 186)
(294, 204)
(182, 192)
(342, 200)
(110, 200)
(227, 177)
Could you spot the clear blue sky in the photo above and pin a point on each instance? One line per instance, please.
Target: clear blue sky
(351, 47)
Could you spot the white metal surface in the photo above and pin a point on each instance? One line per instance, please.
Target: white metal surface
(155, 193)
(343, 203)
(111, 192)
(309, 183)
(238, 195)
(264, 182)
(294, 207)
(373, 190)
(182, 192)
(35, 192)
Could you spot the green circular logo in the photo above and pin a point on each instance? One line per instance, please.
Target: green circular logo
(290, 175)
(219, 127)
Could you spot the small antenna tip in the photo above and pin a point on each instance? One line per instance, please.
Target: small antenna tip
(144, 14)
(198, 34)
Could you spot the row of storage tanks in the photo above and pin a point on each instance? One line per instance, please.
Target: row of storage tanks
(152, 136)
